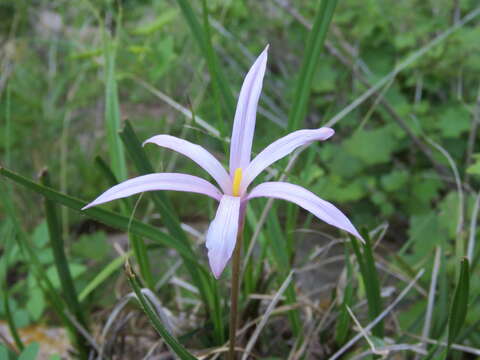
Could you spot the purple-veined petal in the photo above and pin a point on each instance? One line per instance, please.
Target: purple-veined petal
(161, 181)
(281, 148)
(307, 200)
(245, 115)
(222, 233)
(198, 154)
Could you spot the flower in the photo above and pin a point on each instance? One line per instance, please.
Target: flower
(234, 195)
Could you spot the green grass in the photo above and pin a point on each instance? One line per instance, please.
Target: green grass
(82, 86)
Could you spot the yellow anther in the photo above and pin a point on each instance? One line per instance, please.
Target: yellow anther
(237, 180)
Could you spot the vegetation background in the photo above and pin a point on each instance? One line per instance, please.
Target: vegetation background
(81, 82)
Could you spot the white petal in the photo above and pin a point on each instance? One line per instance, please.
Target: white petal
(222, 233)
(309, 201)
(245, 115)
(161, 181)
(198, 154)
(281, 148)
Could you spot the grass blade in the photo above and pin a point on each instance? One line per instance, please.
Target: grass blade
(138, 245)
(281, 256)
(155, 319)
(160, 199)
(112, 112)
(369, 273)
(204, 42)
(343, 322)
(313, 48)
(63, 270)
(103, 275)
(206, 285)
(11, 324)
(107, 217)
(31, 258)
(459, 310)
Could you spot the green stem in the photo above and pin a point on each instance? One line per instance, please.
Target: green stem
(237, 256)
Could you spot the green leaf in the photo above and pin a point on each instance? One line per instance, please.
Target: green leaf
(6, 354)
(343, 323)
(454, 120)
(64, 271)
(92, 246)
(12, 324)
(137, 243)
(425, 233)
(155, 319)
(107, 217)
(449, 213)
(103, 275)
(40, 235)
(279, 247)
(204, 281)
(458, 314)
(395, 180)
(160, 199)
(365, 145)
(30, 352)
(36, 303)
(475, 168)
(371, 282)
(75, 270)
(313, 48)
(112, 112)
(147, 29)
(202, 37)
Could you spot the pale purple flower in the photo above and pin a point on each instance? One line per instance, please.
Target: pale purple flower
(233, 194)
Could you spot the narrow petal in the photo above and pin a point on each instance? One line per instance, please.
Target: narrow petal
(281, 148)
(307, 200)
(198, 154)
(244, 123)
(162, 181)
(222, 233)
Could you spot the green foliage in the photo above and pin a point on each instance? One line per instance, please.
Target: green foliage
(74, 75)
(30, 352)
(459, 310)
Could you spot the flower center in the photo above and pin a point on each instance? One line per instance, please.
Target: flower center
(237, 180)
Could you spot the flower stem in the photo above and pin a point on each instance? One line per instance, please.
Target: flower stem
(237, 256)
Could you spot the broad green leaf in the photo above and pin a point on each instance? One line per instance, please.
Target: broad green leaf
(395, 180)
(30, 352)
(40, 235)
(36, 303)
(372, 146)
(453, 120)
(92, 246)
(75, 270)
(425, 232)
(6, 354)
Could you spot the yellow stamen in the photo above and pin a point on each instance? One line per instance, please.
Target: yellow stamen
(237, 180)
